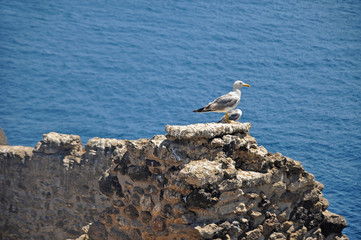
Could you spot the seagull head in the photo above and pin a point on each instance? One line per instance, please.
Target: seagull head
(238, 84)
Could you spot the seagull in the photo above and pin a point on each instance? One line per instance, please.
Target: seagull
(233, 115)
(225, 102)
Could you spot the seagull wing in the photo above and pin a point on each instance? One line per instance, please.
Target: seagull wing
(226, 101)
(234, 115)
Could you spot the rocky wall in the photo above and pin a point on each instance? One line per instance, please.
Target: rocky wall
(201, 181)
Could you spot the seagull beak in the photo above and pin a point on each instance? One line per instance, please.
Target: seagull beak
(246, 85)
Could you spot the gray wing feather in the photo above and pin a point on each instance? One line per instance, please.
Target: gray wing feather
(233, 115)
(222, 102)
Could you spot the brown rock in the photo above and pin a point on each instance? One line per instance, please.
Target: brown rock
(299, 234)
(253, 234)
(172, 196)
(202, 172)
(208, 130)
(277, 236)
(146, 202)
(213, 176)
(332, 223)
(97, 231)
(209, 231)
(3, 140)
(269, 225)
(145, 216)
(131, 212)
(159, 224)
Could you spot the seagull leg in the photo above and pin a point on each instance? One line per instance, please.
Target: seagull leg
(227, 118)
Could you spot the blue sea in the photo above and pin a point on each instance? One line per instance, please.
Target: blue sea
(125, 69)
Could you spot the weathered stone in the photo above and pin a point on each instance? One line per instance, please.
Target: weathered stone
(179, 209)
(3, 140)
(289, 197)
(55, 142)
(324, 202)
(151, 189)
(146, 202)
(287, 227)
(256, 217)
(118, 203)
(283, 216)
(138, 173)
(299, 234)
(229, 184)
(253, 234)
(277, 236)
(118, 234)
(269, 225)
(105, 216)
(83, 237)
(251, 195)
(230, 196)
(233, 229)
(333, 223)
(159, 224)
(157, 209)
(109, 184)
(209, 231)
(162, 188)
(189, 217)
(131, 212)
(145, 216)
(241, 209)
(152, 163)
(202, 172)
(172, 196)
(252, 179)
(199, 198)
(279, 188)
(135, 199)
(19, 155)
(208, 130)
(181, 187)
(135, 234)
(97, 231)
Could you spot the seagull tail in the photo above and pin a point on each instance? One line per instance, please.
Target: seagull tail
(201, 110)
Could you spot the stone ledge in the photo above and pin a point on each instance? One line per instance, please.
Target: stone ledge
(55, 142)
(16, 152)
(205, 130)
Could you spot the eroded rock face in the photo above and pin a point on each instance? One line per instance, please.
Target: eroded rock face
(3, 139)
(202, 181)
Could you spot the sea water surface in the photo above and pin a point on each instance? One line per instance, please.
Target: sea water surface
(125, 69)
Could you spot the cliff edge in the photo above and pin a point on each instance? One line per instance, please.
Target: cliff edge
(201, 181)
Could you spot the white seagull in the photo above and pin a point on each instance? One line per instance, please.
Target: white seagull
(225, 102)
(233, 115)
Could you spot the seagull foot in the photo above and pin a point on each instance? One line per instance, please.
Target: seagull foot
(227, 118)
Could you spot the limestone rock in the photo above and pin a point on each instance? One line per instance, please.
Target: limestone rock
(208, 130)
(333, 223)
(3, 139)
(97, 231)
(202, 172)
(202, 181)
(55, 142)
(277, 236)
(18, 153)
(69, 146)
(252, 179)
(209, 231)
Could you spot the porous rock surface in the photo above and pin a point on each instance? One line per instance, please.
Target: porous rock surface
(3, 139)
(202, 181)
